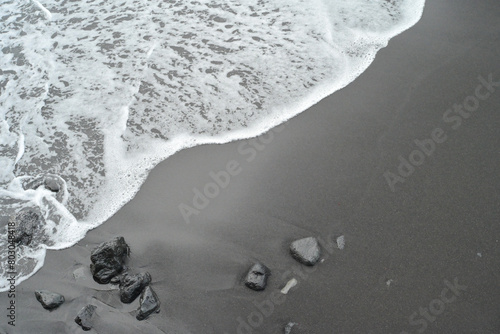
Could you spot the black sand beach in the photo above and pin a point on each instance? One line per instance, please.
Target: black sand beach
(421, 257)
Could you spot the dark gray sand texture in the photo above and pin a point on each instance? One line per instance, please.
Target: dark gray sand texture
(422, 258)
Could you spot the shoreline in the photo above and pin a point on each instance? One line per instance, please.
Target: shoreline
(322, 175)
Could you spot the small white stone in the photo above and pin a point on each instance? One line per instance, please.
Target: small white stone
(341, 242)
(289, 326)
(290, 284)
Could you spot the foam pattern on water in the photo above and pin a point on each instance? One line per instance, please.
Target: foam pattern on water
(98, 92)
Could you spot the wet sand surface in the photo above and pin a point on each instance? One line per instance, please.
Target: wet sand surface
(422, 256)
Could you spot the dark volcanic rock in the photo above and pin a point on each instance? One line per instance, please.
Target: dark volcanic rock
(131, 286)
(306, 251)
(51, 182)
(84, 317)
(117, 279)
(49, 300)
(27, 222)
(257, 277)
(149, 303)
(108, 259)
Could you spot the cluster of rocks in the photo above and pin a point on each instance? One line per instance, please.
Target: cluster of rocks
(108, 263)
(305, 251)
(108, 266)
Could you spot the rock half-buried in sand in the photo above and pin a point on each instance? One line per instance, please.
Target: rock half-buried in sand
(289, 327)
(131, 286)
(84, 317)
(149, 303)
(306, 251)
(49, 300)
(256, 278)
(27, 222)
(108, 259)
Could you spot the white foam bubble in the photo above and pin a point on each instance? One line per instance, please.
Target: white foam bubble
(99, 94)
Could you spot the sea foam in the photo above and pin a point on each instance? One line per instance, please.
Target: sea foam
(99, 92)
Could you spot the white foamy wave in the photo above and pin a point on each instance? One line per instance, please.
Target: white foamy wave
(96, 93)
